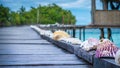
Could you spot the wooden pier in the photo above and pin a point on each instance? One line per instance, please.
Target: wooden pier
(21, 47)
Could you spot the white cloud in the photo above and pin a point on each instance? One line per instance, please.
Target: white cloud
(76, 4)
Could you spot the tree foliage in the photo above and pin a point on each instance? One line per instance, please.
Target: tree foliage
(4, 15)
(49, 14)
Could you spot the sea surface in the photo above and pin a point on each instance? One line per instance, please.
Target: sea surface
(95, 33)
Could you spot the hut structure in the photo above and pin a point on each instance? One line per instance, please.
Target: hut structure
(109, 17)
(106, 17)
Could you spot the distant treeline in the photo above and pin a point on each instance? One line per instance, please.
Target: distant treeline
(49, 14)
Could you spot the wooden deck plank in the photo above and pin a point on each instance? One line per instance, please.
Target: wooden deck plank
(29, 52)
(35, 62)
(20, 37)
(28, 46)
(21, 47)
(105, 63)
(24, 42)
(54, 57)
(50, 66)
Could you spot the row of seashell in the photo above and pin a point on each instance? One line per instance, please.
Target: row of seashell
(103, 47)
(42, 32)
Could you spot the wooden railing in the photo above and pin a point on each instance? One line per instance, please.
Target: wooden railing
(74, 28)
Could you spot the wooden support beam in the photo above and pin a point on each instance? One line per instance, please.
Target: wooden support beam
(105, 4)
(80, 34)
(74, 33)
(93, 3)
(83, 34)
(109, 34)
(102, 33)
(93, 8)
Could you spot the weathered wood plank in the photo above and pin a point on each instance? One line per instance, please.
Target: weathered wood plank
(105, 63)
(24, 42)
(28, 46)
(37, 58)
(27, 37)
(35, 62)
(50, 66)
(19, 50)
(88, 56)
(30, 52)
(63, 57)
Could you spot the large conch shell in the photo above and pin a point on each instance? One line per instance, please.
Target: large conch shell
(106, 49)
(60, 34)
(89, 44)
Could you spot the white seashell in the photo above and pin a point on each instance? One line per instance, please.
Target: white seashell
(89, 44)
(36, 28)
(117, 57)
(71, 40)
(42, 32)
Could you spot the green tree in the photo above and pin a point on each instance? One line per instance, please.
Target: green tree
(4, 15)
(15, 18)
(48, 14)
(22, 17)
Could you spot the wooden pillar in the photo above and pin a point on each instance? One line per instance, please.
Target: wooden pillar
(109, 34)
(102, 33)
(83, 34)
(93, 8)
(105, 7)
(80, 34)
(73, 32)
(105, 4)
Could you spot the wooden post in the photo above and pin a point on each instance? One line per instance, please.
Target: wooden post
(102, 33)
(73, 32)
(83, 34)
(109, 34)
(105, 4)
(80, 34)
(93, 8)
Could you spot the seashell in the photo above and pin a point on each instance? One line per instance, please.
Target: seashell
(36, 28)
(117, 57)
(60, 34)
(42, 32)
(106, 49)
(71, 40)
(89, 44)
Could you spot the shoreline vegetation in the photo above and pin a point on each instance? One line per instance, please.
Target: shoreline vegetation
(48, 14)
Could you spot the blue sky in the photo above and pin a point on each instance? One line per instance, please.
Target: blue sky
(79, 8)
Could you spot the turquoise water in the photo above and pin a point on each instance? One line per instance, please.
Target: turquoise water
(95, 33)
